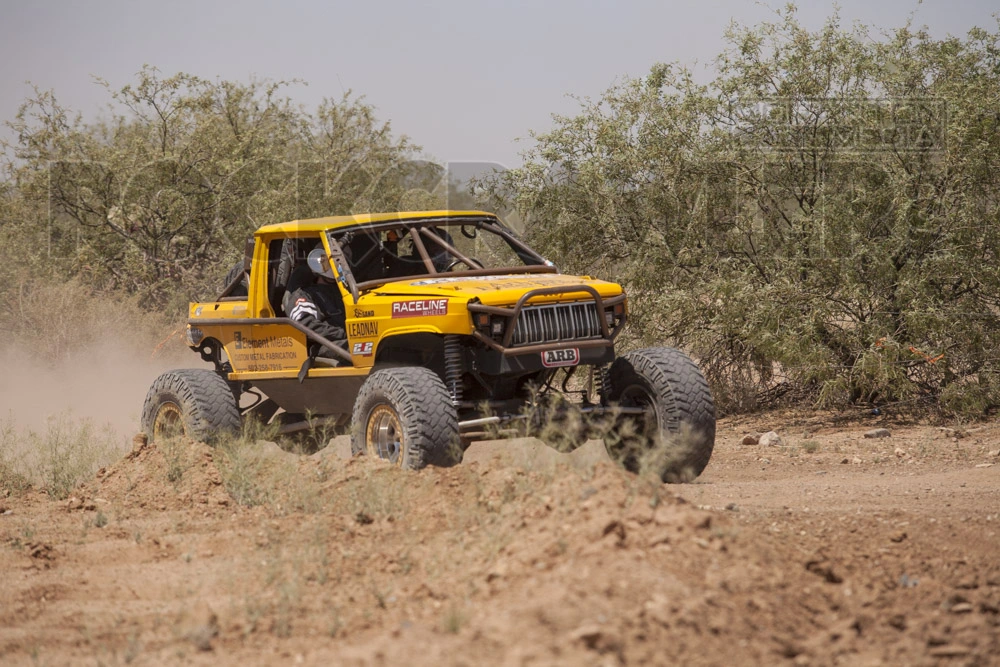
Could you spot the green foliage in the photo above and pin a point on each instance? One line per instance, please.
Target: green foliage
(822, 216)
(157, 198)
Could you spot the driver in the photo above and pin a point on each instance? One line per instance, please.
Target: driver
(319, 306)
(440, 257)
(412, 263)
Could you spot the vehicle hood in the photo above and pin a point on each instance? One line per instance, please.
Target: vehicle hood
(495, 290)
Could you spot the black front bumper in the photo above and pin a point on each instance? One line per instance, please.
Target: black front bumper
(493, 362)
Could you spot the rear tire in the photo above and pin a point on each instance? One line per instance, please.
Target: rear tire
(405, 415)
(194, 402)
(676, 434)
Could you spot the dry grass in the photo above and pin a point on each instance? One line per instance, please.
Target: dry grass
(61, 320)
(562, 425)
(57, 458)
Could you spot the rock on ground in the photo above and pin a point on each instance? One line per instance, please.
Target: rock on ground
(770, 439)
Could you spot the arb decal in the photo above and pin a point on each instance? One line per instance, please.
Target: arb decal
(420, 308)
(362, 349)
(556, 358)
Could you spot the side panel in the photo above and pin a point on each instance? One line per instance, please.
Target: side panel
(377, 317)
(365, 324)
(317, 395)
(256, 348)
(265, 347)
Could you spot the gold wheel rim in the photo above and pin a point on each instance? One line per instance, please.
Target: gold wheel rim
(384, 435)
(169, 420)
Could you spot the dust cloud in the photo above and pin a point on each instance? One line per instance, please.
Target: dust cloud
(103, 384)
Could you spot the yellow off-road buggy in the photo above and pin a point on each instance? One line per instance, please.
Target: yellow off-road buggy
(453, 325)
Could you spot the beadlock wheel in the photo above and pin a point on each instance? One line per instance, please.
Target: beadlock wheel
(384, 435)
(169, 421)
(404, 415)
(194, 402)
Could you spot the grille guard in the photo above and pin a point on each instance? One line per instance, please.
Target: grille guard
(608, 334)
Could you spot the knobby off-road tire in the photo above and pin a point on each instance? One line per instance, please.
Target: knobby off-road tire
(405, 415)
(676, 434)
(194, 402)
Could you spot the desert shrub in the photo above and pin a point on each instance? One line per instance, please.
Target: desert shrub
(814, 222)
(157, 199)
(57, 458)
(58, 320)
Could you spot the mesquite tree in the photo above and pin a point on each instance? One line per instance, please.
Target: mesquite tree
(821, 218)
(157, 197)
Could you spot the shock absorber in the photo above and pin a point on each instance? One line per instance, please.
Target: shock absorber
(602, 380)
(453, 367)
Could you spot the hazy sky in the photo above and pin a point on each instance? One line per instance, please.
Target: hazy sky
(464, 79)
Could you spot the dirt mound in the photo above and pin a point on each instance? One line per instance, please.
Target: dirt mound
(605, 567)
(778, 555)
(169, 476)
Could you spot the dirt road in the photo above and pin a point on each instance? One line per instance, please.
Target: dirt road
(829, 549)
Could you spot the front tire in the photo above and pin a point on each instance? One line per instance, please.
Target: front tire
(675, 434)
(404, 415)
(194, 402)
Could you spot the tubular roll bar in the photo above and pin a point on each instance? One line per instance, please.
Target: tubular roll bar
(472, 264)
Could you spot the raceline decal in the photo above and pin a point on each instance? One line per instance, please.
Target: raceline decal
(557, 358)
(362, 349)
(363, 329)
(420, 308)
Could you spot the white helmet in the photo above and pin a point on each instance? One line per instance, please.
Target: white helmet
(319, 264)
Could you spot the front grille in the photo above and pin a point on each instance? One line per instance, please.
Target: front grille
(557, 322)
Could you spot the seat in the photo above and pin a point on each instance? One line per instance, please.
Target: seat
(300, 277)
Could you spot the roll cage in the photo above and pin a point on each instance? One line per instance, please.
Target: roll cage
(369, 256)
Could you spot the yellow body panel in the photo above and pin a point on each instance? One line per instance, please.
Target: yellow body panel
(431, 304)
(315, 372)
(499, 290)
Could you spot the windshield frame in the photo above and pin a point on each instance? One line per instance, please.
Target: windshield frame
(419, 231)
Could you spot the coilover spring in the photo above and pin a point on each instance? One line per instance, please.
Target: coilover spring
(602, 381)
(453, 367)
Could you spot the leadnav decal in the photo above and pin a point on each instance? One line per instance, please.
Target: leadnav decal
(420, 308)
(362, 329)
